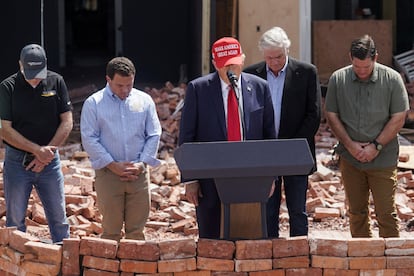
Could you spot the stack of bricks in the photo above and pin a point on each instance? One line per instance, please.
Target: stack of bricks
(89, 256)
(23, 254)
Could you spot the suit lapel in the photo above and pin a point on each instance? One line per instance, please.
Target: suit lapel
(247, 94)
(217, 101)
(286, 97)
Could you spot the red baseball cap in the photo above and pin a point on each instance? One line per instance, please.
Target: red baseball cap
(227, 51)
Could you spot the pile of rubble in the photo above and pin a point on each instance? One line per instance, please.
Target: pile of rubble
(171, 215)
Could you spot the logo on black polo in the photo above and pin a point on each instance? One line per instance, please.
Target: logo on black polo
(49, 93)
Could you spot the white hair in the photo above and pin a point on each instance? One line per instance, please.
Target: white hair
(276, 37)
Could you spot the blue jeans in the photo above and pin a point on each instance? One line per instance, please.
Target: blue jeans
(295, 188)
(49, 184)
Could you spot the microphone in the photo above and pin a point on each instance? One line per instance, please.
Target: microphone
(232, 78)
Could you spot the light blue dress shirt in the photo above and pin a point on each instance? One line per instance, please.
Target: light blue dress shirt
(276, 84)
(120, 130)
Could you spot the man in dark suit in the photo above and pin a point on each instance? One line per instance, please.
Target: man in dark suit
(296, 98)
(205, 118)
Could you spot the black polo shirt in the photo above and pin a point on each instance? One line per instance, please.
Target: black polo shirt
(34, 112)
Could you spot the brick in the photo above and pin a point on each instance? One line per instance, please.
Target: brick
(328, 247)
(101, 263)
(5, 234)
(304, 272)
(313, 203)
(399, 247)
(400, 262)
(138, 250)
(98, 247)
(96, 272)
(138, 266)
(218, 249)
(177, 249)
(367, 262)
(253, 249)
(278, 272)
(45, 253)
(375, 272)
(76, 199)
(227, 273)
(366, 247)
(40, 268)
(215, 264)
(70, 256)
(178, 265)
(17, 239)
(11, 255)
(291, 262)
(193, 273)
(404, 271)
(127, 274)
(329, 262)
(10, 267)
(323, 212)
(340, 272)
(159, 274)
(290, 247)
(407, 174)
(252, 265)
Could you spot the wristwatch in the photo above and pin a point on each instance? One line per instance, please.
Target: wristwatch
(377, 145)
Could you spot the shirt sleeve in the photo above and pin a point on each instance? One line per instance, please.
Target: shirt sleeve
(5, 101)
(64, 100)
(153, 135)
(330, 98)
(90, 136)
(399, 101)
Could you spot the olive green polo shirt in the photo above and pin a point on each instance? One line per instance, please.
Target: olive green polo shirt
(365, 107)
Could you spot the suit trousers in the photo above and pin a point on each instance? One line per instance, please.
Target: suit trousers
(295, 188)
(122, 204)
(382, 183)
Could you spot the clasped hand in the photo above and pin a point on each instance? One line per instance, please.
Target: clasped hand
(42, 158)
(127, 171)
(364, 152)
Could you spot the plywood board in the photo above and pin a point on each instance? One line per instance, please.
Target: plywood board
(256, 17)
(331, 42)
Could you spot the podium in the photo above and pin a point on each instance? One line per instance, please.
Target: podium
(244, 171)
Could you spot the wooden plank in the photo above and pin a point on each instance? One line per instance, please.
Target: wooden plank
(245, 221)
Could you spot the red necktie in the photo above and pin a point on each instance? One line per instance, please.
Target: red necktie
(233, 119)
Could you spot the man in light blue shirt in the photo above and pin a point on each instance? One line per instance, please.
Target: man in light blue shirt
(120, 131)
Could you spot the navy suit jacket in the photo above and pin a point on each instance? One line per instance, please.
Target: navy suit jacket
(301, 101)
(203, 117)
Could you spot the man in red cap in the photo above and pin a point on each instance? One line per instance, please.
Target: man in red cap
(226, 105)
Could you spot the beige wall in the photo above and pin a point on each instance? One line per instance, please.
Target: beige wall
(256, 17)
(332, 39)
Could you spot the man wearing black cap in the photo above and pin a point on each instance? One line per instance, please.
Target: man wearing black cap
(36, 118)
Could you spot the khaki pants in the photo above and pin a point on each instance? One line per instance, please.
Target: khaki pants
(122, 202)
(382, 183)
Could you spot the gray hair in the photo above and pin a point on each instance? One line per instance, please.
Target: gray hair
(276, 37)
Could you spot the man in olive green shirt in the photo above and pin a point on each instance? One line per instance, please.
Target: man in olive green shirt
(366, 106)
